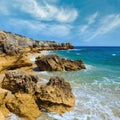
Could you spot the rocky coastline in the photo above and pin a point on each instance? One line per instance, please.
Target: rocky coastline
(20, 92)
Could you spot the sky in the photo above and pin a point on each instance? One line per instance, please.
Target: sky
(81, 22)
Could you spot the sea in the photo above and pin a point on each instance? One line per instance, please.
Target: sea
(97, 88)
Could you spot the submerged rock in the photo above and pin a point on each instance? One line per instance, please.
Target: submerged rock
(55, 96)
(23, 105)
(19, 81)
(55, 63)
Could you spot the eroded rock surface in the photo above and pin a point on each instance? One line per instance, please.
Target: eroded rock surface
(8, 47)
(55, 63)
(23, 105)
(19, 81)
(49, 63)
(55, 96)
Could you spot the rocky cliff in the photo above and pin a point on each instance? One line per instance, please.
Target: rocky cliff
(13, 43)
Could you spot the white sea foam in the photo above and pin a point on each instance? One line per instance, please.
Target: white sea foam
(44, 72)
(77, 53)
(32, 59)
(12, 116)
(46, 52)
(89, 67)
(113, 54)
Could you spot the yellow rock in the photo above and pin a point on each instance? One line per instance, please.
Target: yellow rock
(3, 95)
(2, 116)
(23, 105)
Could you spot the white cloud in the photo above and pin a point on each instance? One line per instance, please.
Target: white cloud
(3, 8)
(106, 25)
(102, 27)
(54, 30)
(90, 20)
(44, 10)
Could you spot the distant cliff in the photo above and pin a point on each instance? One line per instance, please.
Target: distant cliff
(13, 43)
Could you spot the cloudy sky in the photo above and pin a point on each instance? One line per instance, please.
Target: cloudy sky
(81, 22)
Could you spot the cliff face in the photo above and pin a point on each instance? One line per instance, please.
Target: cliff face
(32, 45)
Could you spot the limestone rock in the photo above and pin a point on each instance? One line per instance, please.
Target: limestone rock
(3, 98)
(55, 63)
(19, 81)
(3, 94)
(55, 96)
(23, 105)
(8, 47)
(2, 116)
(49, 63)
(70, 65)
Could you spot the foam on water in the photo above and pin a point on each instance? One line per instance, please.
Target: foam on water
(89, 67)
(113, 54)
(32, 59)
(92, 104)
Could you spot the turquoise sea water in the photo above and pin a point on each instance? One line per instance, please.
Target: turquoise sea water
(97, 89)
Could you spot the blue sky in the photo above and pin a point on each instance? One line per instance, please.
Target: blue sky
(81, 22)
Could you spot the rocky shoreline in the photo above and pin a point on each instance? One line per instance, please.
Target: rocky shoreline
(20, 92)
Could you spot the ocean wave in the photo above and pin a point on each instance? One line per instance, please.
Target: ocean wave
(32, 59)
(113, 54)
(89, 67)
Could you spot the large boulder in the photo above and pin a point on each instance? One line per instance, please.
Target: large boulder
(49, 63)
(23, 105)
(72, 65)
(55, 63)
(19, 81)
(55, 96)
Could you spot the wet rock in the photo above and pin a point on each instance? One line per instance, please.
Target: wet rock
(55, 63)
(19, 81)
(23, 105)
(55, 96)
(70, 65)
(49, 63)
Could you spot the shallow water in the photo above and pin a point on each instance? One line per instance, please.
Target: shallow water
(97, 89)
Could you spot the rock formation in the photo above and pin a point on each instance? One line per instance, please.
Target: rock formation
(8, 47)
(23, 105)
(55, 63)
(49, 63)
(72, 65)
(24, 44)
(19, 81)
(55, 96)
(15, 62)
(3, 97)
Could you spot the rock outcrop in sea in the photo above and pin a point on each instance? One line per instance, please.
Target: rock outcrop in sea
(55, 63)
